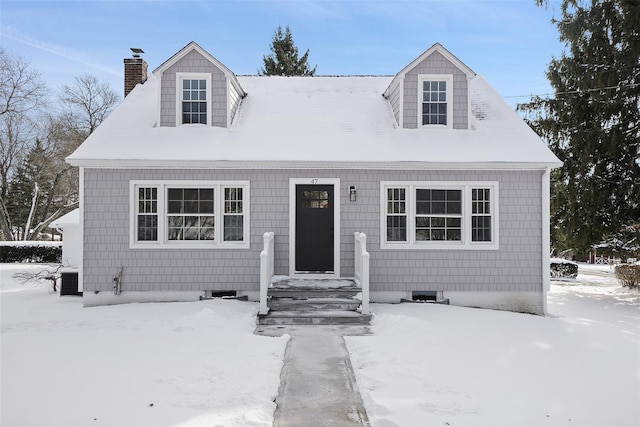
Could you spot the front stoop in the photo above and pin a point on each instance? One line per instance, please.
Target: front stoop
(313, 302)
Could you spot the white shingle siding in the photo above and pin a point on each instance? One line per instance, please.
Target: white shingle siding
(436, 63)
(515, 267)
(193, 62)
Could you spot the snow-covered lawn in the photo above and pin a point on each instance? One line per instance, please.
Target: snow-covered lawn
(188, 364)
(432, 365)
(182, 364)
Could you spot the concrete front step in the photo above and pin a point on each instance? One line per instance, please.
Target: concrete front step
(295, 293)
(309, 304)
(313, 283)
(313, 302)
(318, 317)
(316, 288)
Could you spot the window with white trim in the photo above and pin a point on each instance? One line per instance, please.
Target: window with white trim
(448, 215)
(396, 214)
(233, 214)
(189, 214)
(194, 98)
(438, 214)
(147, 214)
(435, 99)
(481, 214)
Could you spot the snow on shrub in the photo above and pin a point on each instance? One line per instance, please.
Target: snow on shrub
(31, 251)
(628, 275)
(563, 268)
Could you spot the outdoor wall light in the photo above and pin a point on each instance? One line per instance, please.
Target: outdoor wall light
(352, 193)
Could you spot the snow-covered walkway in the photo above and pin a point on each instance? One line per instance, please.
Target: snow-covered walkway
(318, 387)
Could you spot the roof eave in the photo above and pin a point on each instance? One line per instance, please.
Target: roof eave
(293, 164)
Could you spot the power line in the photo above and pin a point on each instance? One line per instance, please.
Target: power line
(573, 92)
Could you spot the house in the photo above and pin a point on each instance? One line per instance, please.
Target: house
(180, 184)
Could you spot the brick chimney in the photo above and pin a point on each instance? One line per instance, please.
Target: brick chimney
(135, 70)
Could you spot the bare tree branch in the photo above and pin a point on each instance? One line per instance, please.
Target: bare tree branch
(21, 88)
(51, 274)
(57, 214)
(88, 102)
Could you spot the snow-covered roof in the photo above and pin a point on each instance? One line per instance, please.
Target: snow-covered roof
(70, 219)
(314, 121)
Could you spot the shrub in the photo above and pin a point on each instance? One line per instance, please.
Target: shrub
(37, 252)
(563, 268)
(628, 275)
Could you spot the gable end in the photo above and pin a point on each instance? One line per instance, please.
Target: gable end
(405, 92)
(222, 90)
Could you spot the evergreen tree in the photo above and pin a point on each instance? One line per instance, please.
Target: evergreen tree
(284, 60)
(624, 244)
(593, 122)
(29, 186)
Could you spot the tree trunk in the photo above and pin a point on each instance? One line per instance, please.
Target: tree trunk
(5, 222)
(34, 206)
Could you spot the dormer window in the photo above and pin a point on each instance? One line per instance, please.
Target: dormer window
(194, 98)
(194, 101)
(435, 100)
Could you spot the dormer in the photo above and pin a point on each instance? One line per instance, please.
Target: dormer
(197, 90)
(432, 92)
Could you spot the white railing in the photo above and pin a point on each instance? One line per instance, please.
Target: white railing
(361, 275)
(266, 269)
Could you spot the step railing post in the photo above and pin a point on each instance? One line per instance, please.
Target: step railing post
(361, 264)
(365, 282)
(266, 269)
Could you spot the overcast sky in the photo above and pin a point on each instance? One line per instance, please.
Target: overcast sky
(509, 42)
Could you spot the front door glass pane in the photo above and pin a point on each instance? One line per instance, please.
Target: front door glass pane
(315, 199)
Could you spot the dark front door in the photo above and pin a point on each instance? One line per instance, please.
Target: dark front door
(314, 228)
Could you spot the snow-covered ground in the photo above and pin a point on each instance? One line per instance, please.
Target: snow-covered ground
(432, 365)
(181, 364)
(188, 364)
